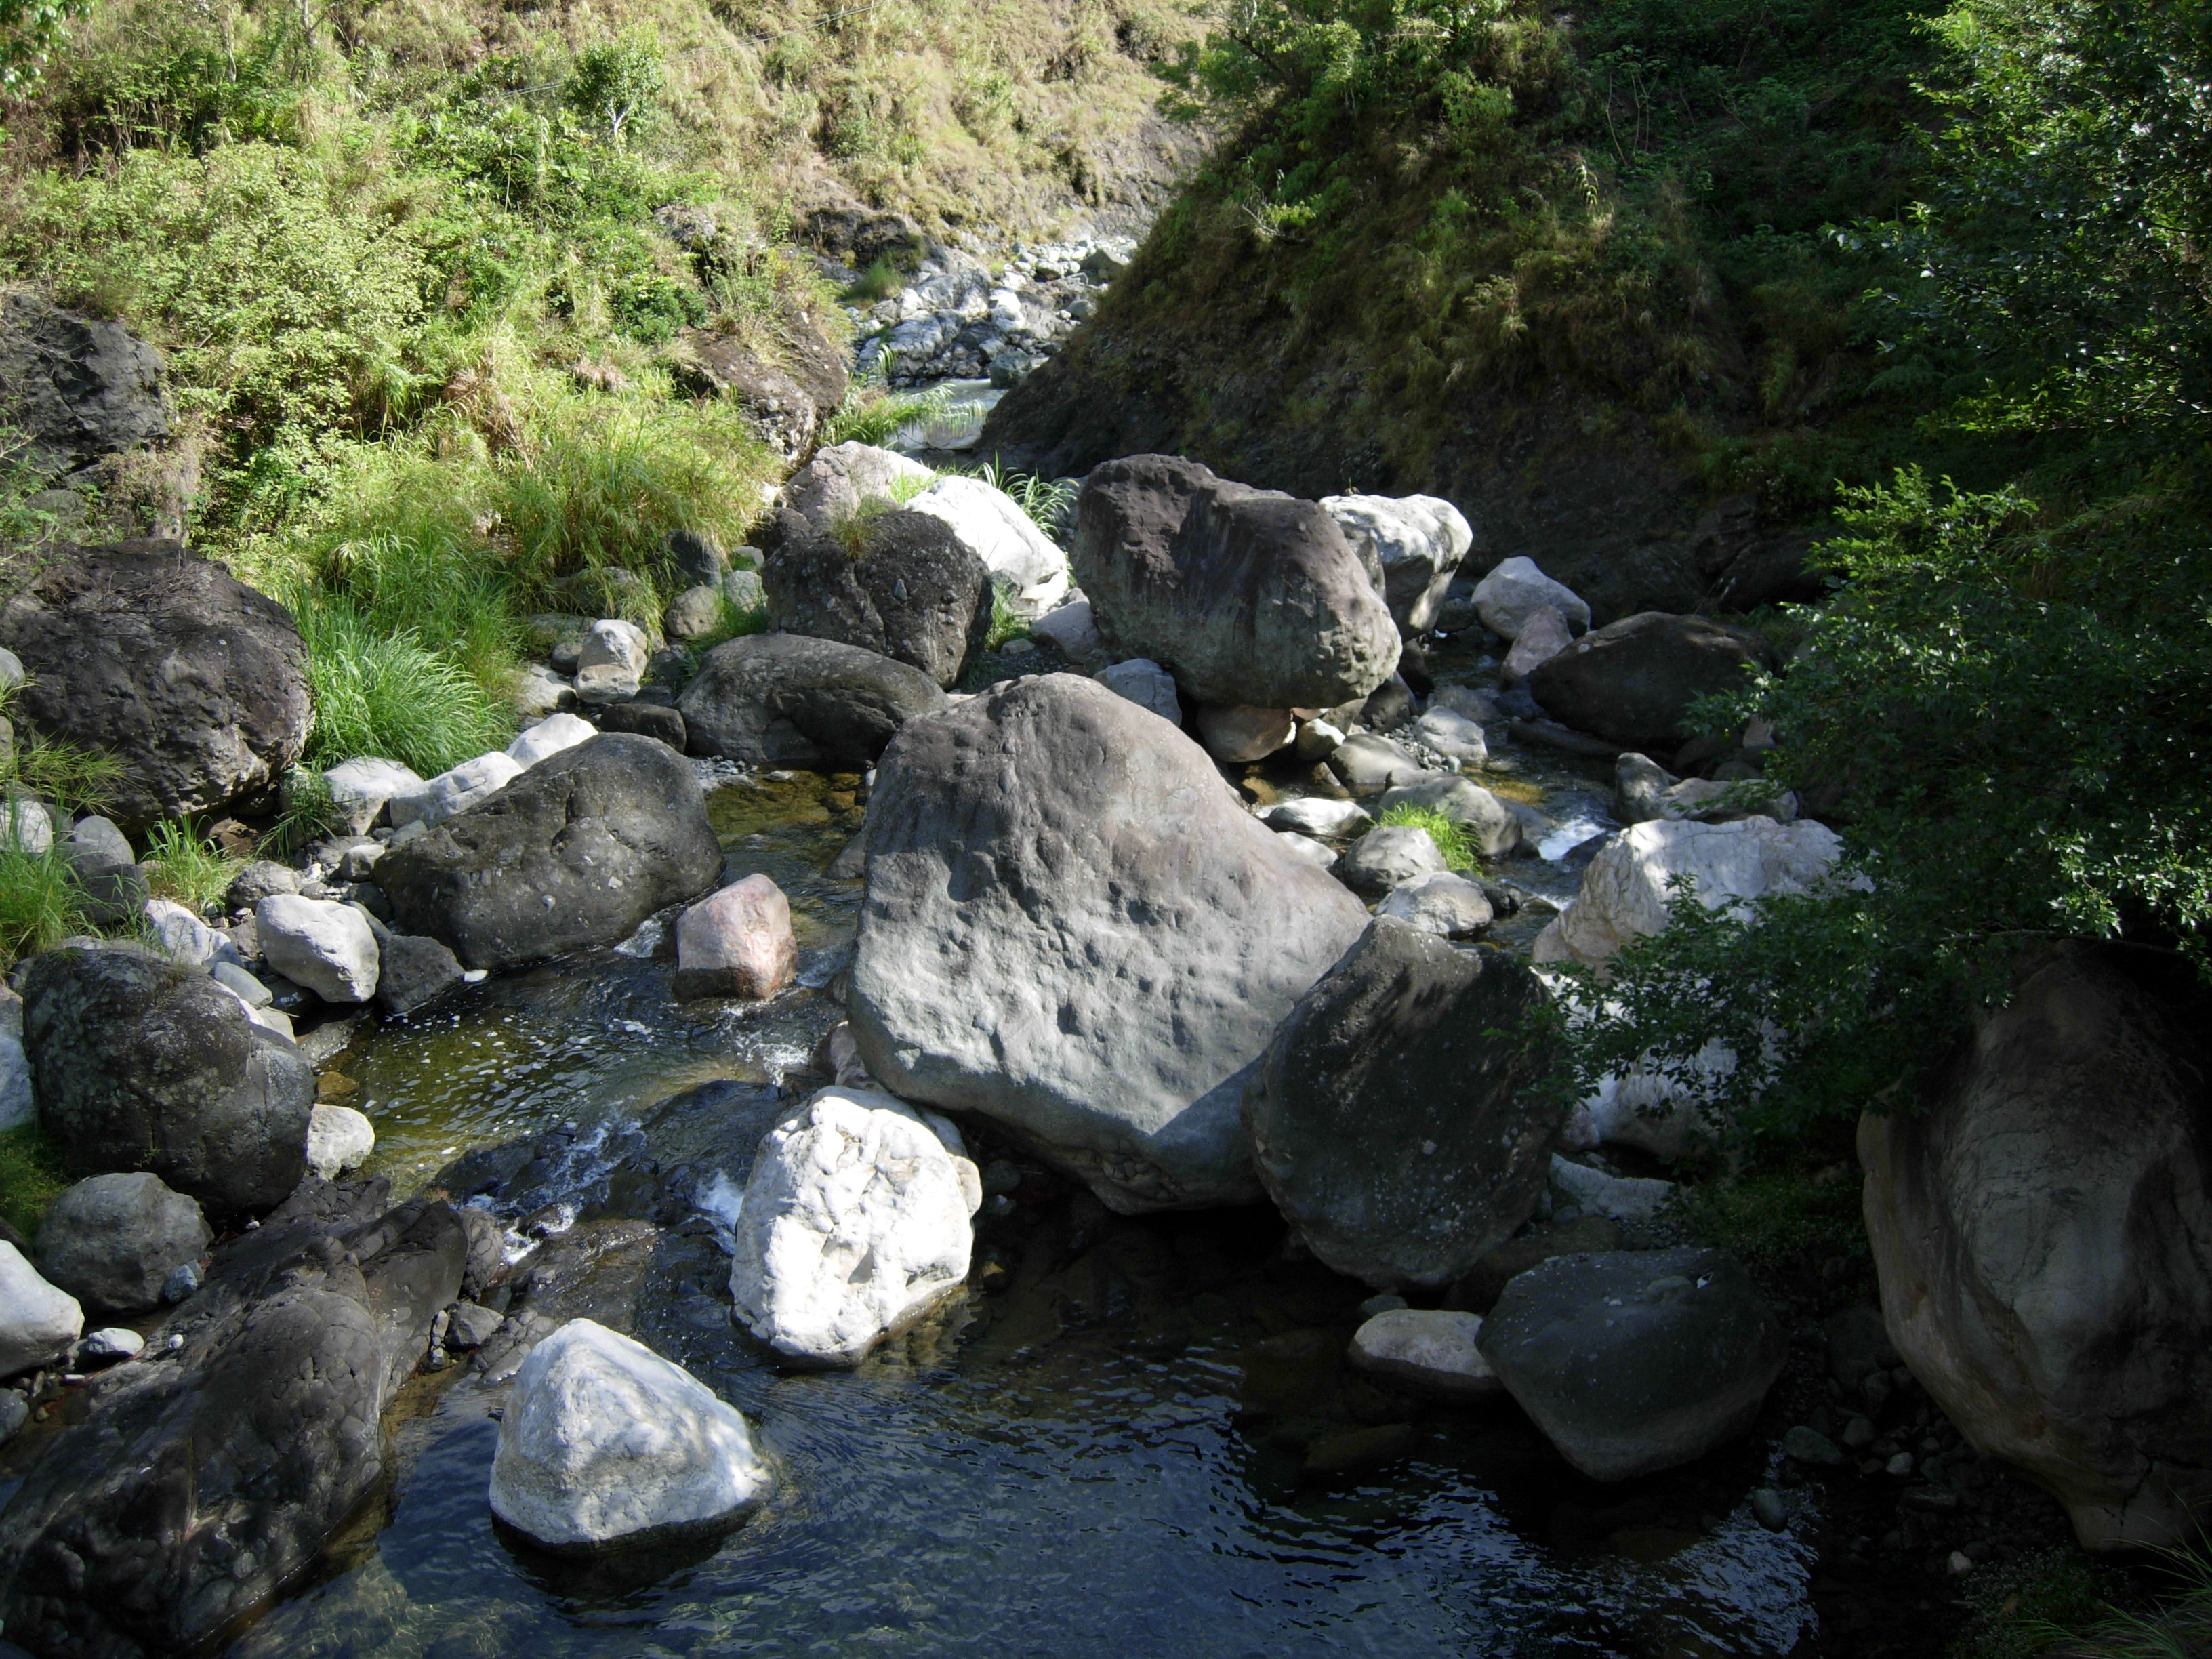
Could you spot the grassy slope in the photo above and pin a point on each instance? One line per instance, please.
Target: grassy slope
(1586, 258)
(423, 326)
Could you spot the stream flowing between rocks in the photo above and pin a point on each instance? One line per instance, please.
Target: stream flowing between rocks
(1133, 1435)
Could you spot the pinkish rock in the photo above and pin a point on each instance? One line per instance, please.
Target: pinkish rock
(737, 943)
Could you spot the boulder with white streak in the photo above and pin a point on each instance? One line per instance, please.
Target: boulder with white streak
(1417, 542)
(1515, 590)
(548, 737)
(1624, 893)
(1316, 815)
(604, 1445)
(454, 791)
(993, 527)
(360, 788)
(320, 943)
(855, 1225)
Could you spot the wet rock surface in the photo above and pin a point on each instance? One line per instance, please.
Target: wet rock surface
(200, 1482)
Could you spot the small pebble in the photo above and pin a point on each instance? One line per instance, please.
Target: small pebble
(1960, 1564)
(1858, 1433)
(1900, 1466)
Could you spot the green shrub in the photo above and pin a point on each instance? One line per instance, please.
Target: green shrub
(384, 694)
(871, 414)
(733, 622)
(309, 813)
(31, 1177)
(184, 866)
(1450, 836)
(1044, 500)
(284, 308)
(40, 903)
(880, 280)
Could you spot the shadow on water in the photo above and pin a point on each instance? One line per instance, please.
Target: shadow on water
(1132, 1436)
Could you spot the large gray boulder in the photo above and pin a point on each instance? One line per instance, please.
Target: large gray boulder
(1632, 681)
(2040, 1231)
(197, 683)
(77, 387)
(140, 1063)
(913, 591)
(603, 1445)
(1249, 596)
(1635, 1361)
(787, 700)
(1400, 1120)
(113, 1241)
(575, 853)
(1072, 926)
(196, 1487)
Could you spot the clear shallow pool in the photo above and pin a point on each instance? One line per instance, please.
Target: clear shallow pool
(1117, 1445)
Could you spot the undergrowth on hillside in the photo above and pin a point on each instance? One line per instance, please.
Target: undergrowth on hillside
(422, 276)
(31, 1177)
(1462, 201)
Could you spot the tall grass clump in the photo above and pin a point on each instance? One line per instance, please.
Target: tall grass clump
(390, 694)
(40, 903)
(31, 1177)
(873, 414)
(1452, 844)
(185, 865)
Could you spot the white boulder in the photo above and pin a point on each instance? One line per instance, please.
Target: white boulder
(26, 824)
(611, 665)
(360, 786)
(1426, 1350)
(38, 1322)
(1418, 541)
(1315, 815)
(180, 935)
(320, 943)
(455, 791)
(548, 737)
(339, 1138)
(605, 1443)
(1623, 1198)
(992, 526)
(854, 1224)
(1515, 590)
(1624, 893)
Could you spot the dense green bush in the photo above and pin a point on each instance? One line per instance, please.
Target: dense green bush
(2008, 706)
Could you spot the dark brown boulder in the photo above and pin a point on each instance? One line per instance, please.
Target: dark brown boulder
(1632, 681)
(787, 700)
(197, 683)
(907, 588)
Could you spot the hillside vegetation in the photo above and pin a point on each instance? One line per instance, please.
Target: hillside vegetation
(421, 275)
(1483, 248)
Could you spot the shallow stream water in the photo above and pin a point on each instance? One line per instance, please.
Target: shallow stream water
(1133, 1438)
